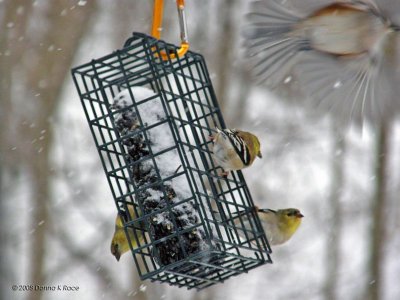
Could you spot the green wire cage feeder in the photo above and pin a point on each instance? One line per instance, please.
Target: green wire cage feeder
(151, 118)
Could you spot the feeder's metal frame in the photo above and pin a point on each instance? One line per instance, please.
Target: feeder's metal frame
(224, 204)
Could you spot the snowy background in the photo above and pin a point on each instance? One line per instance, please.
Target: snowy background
(57, 212)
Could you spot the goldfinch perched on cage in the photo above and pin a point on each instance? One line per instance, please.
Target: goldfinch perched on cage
(235, 149)
(345, 55)
(279, 225)
(119, 243)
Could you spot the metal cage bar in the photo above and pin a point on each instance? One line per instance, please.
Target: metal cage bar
(193, 228)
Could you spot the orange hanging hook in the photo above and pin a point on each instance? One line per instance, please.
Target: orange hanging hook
(157, 26)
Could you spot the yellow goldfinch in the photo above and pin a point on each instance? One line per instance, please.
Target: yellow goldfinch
(280, 225)
(119, 243)
(234, 149)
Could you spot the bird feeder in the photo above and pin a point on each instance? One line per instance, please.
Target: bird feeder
(151, 110)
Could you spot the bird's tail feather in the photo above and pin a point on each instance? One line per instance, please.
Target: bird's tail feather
(268, 41)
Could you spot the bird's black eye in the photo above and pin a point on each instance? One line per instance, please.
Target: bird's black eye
(291, 214)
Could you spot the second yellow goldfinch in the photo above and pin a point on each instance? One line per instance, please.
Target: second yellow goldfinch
(235, 149)
(279, 225)
(119, 243)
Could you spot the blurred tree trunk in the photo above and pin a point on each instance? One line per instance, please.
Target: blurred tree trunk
(12, 45)
(51, 57)
(123, 13)
(201, 33)
(13, 24)
(335, 218)
(378, 230)
(225, 49)
(7, 275)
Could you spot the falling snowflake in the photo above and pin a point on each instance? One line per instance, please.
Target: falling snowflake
(337, 84)
(287, 79)
(143, 288)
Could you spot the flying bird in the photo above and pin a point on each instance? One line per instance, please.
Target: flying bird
(345, 55)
